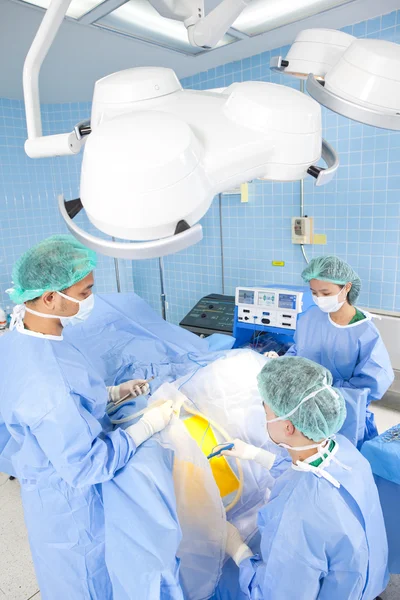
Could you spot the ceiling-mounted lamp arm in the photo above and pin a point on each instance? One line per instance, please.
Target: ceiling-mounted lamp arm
(180, 10)
(37, 145)
(210, 30)
(203, 31)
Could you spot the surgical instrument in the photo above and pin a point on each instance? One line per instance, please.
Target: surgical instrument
(221, 449)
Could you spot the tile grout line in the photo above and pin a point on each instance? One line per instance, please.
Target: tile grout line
(35, 594)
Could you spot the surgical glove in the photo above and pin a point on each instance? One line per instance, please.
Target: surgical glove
(235, 546)
(129, 389)
(153, 421)
(249, 452)
(271, 354)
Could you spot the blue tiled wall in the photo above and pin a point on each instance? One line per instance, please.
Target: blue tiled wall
(359, 211)
(29, 189)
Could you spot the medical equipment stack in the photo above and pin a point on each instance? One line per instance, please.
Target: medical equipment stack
(266, 317)
(262, 318)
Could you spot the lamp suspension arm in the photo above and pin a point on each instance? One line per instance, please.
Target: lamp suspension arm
(37, 145)
(204, 31)
(210, 30)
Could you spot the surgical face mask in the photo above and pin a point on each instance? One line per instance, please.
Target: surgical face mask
(289, 414)
(329, 304)
(85, 308)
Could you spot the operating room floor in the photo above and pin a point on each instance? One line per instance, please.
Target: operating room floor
(17, 578)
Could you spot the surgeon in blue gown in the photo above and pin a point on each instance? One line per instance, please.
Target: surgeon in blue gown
(342, 338)
(125, 338)
(322, 530)
(55, 434)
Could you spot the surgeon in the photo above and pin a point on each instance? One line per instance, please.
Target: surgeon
(322, 531)
(52, 404)
(342, 338)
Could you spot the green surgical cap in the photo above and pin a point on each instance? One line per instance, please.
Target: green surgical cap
(284, 382)
(334, 270)
(54, 264)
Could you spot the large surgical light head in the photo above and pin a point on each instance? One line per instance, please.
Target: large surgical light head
(359, 79)
(156, 155)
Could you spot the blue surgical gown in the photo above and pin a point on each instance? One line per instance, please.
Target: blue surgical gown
(319, 541)
(142, 537)
(358, 360)
(124, 338)
(52, 404)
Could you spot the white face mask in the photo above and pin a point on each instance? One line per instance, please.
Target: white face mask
(85, 308)
(329, 304)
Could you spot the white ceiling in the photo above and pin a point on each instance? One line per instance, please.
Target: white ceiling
(82, 54)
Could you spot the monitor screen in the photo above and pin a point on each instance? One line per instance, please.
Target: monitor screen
(246, 297)
(266, 298)
(287, 301)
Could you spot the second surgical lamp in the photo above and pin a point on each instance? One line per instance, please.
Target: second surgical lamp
(356, 78)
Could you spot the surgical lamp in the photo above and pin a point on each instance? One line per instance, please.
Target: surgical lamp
(155, 155)
(356, 78)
